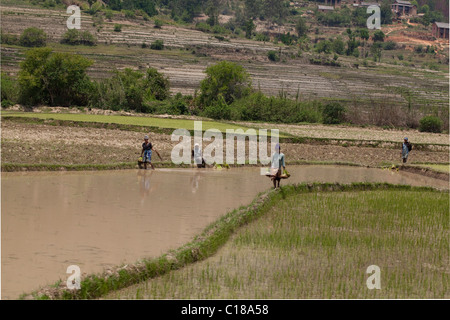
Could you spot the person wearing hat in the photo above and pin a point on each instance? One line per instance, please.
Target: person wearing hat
(406, 148)
(146, 153)
(277, 163)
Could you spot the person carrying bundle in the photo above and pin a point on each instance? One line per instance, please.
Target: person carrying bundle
(277, 163)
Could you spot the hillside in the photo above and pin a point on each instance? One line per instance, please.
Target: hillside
(402, 76)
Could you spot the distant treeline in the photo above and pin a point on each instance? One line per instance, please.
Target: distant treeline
(61, 79)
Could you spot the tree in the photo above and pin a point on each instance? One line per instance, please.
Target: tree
(212, 10)
(249, 27)
(386, 12)
(33, 37)
(54, 78)
(156, 85)
(228, 79)
(364, 35)
(252, 9)
(301, 27)
(376, 50)
(352, 43)
(424, 9)
(274, 10)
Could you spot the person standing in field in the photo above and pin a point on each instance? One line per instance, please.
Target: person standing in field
(277, 163)
(146, 153)
(406, 148)
(198, 157)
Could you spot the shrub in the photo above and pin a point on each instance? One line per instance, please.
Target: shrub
(378, 36)
(430, 124)
(33, 37)
(333, 113)
(54, 78)
(158, 23)
(301, 27)
(219, 29)
(262, 37)
(129, 89)
(76, 37)
(129, 14)
(390, 45)
(258, 107)
(9, 39)
(324, 46)
(202, 26)
(217, 110)
(157, 85)
(9, 90)
(273, 55)
(117, 27)
(109, 14)
(157, 45)
(338, 46)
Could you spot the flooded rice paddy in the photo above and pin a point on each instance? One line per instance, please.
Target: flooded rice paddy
(99, 219)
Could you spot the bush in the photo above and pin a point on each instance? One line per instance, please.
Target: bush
(11, 39)
(129, 14)
(54, 78)
(218, 29)
(430, 124)
(33, 37)
(258, 107)
(390, 45)
(301, 27)
(109, 14)
(202, 26)
(157, 45)
(338, 46)
(324, 46)
(262, 37)
(218, 110)
(76, 37)
(158, 23)
(333, 113)
(157, 85)
(378, 36)
(273, 55)
(9, 90)
(133, 90)
(117, 27)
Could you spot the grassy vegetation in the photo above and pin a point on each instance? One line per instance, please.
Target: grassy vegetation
(300, 247)
(319, 245)
(128, 120)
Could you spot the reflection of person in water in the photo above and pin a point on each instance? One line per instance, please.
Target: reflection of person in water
(145, 187)
(198, 157)
(194, 181)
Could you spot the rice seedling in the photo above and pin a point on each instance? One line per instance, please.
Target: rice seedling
(319, 245)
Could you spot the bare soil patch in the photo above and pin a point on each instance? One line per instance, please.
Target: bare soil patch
(25, 143)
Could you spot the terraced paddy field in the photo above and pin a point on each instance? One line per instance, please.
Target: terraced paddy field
(40, 145)
(189, 52)
(319, 245)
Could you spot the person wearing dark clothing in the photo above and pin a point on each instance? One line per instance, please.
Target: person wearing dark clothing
(406, 148)
(146, 153)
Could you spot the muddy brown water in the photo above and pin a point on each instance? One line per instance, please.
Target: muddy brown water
(100, 219)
